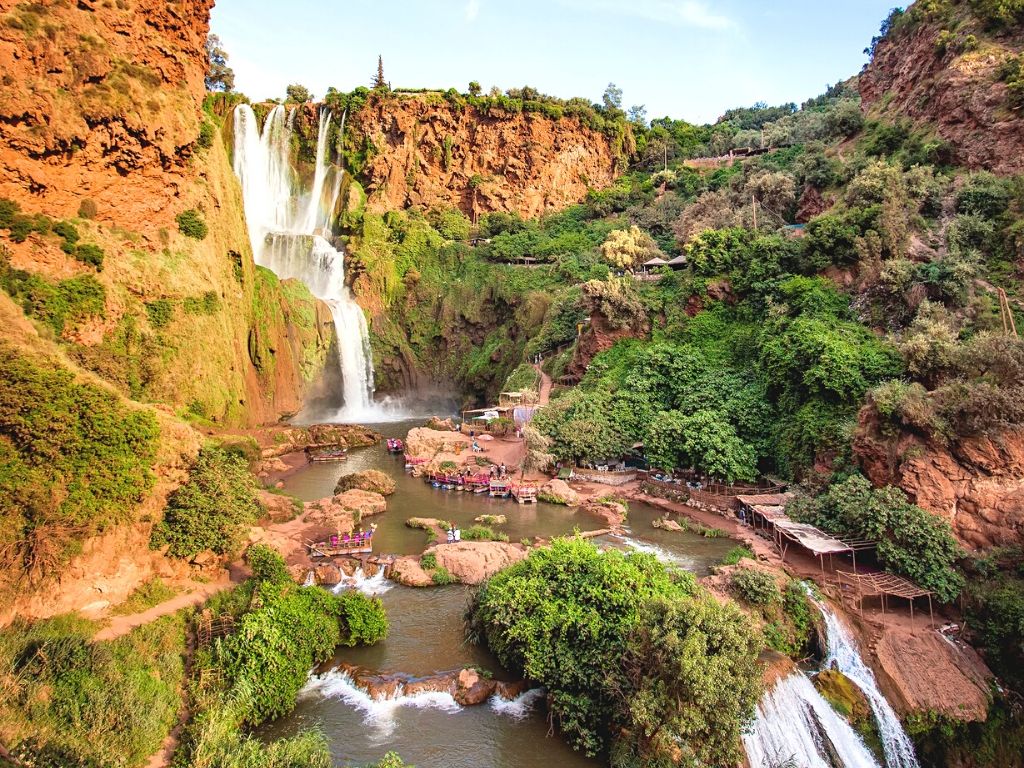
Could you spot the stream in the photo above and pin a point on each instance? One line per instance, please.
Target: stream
(427, 630)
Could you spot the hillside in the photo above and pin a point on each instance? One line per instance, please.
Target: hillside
(957, 71)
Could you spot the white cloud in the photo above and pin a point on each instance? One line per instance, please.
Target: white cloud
(683, 13)
(472, 10)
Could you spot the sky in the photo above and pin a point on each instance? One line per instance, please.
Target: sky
(686, 59)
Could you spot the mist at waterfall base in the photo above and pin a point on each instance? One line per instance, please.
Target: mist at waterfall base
(290, 229)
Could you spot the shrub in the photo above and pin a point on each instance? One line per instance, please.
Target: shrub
(364, 621)
(87, 209)
(90, 254)
(610, 635)
(478, 533)
(191, 224)
(267, 564)
(207, 304)
(74, 460)
(754, 586)
(911, 542)
(88, 703)
(212, 509)
(160, 312)
(428, 561)
(734, 555)
(67, 231)
(207, 133)
(8, 210)
(441, 576)
(144, 597)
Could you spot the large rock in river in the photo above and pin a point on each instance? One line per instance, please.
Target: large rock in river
(558, 492)
(340, 511)
(471, 562)
(427, 443)
(372, 480)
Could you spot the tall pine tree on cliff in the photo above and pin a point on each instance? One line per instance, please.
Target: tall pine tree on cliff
(378, 80)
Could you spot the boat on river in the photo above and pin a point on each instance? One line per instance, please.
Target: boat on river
(360, 543)
(326, 453)
(395, 445)
(524, 493)
(499, 488)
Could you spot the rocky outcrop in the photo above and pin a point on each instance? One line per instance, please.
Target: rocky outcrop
(612, 513)
(345, 507)
(425, 443)
(429, 152)
(558, 492)
(975, 483)
(372, 480)
(469, 562)
(954, 89)
(467, 686)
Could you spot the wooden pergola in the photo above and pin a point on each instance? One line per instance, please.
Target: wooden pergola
(883, 585)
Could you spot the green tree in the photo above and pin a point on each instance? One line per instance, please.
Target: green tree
(620, 642)
(298, 93)
(219, 76)
(612, 97)
(703, 439)
(627, 249)
(474, 88)
(378, 79)
(212, 510)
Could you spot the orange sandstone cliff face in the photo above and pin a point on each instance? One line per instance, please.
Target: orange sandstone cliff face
(956, 91)
(428, 152)
(100, 103)
(99, 100)
(976, 483)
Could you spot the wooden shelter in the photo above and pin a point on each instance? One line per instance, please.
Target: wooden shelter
(883, 586)
(679, 262)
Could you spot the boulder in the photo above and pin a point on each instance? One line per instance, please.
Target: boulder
(558, 492)
(407, 571)
(490, 519)
(372, 480)
(339, 512)
(279, 508)
(511, 691)
(612, 512)
(441, 425)
(327, 575)
(666, 524)
(471, 562)
(428, 443)
(471, 689)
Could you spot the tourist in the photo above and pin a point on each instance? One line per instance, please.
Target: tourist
(451, 535)
(457, 534)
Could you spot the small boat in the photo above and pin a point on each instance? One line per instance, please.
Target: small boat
(525, 493)
(327, 454)
(395, 445)
(498, 489)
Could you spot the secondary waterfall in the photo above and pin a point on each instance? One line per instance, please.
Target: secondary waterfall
(796, 726)
(289, 229)
(844, 656)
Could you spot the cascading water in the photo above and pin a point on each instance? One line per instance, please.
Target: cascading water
(796, 726)
(844, 656)
(289, 229)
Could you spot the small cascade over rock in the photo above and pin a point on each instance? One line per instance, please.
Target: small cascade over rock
(796, 726)
(289, 228)
(844, 656)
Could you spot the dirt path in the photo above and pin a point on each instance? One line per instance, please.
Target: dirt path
(200, 593)
(545, 386)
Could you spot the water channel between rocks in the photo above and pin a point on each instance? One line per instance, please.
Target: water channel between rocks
(427, 631)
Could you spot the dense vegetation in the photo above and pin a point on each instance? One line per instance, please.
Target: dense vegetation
(69, 701)
(74, 458)
(212, 510)
(621, 642)
(281, 631)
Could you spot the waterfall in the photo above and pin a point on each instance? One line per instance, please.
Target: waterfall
(289, 230)
(796, 726)
(844, 656)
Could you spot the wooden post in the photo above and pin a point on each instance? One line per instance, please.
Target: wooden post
(753, 204)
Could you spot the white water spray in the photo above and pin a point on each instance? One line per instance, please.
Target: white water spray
(844, 656)
(289, 228)
(368, 585)
(795, 724)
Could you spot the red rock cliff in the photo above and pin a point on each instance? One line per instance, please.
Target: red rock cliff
(428, 152)
(954, 88)
(99, 100)
(976, 483)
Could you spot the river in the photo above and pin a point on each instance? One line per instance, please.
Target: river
(427, 631)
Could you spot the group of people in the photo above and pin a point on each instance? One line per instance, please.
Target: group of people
(498, 470)
(454, 534)
(358, 537)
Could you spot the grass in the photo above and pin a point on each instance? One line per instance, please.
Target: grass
(441, 576)
(145, 596)
(734, 555)
(68, 701)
